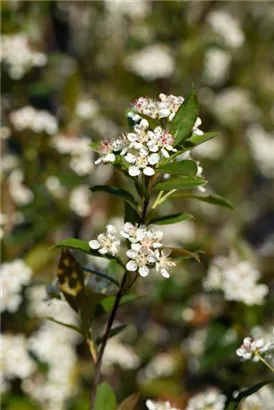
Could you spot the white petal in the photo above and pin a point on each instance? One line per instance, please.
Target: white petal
(165, 273)
(131, 137)
(94, 244)
(144, 271)
(100, 159)
(152, 145)
(131, 266)
(134, 171)
(132, 254)
(148, 171)
(109, 158)
(111, 231)
(103, 251)
(165, 153)
(130, 158)
(154, 159)
(136, 246)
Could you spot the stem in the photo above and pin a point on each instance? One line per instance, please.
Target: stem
(113, 314)
(104, 342)
(166, 196)
(264, 361)
(157, 200)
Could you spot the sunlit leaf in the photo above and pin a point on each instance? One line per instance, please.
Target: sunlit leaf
(185, 118)
(184, 167)
(184, 182)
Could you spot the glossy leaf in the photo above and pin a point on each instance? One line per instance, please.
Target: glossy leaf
(114, 332)
(171, 219)
(130, 402)
(185, 118)
(184, 182)
(105, 398)
(121, 193)
(196, 140)
(213, 199)
(235, 403)
(184, 167)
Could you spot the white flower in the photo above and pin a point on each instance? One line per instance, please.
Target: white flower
(152, 62)
(164, 262)
(237, 279)
(18, 56)
(19, 192)
(261, 144)
(35, 120)
(161, 139)
(249, 348)
(106, 242)
(79, 200)
(211, 399)
(160, 405)
(140, 257)
(146, 106)
(133, 233)
(119, 353)
(105, 151)
(14, 275)
(227, 28)
(15, 360)
(141, 163)
(217, 66)
(169, 105)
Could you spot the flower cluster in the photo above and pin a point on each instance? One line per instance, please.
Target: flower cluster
(17, 54)
(251, 347)
(160, 405)
(229, 275)
(14, 275)
(144, 252)
(81, 157)
(211, 399)
(165, 107)
(35, 120)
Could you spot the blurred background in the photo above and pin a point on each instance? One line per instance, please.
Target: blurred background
(70, 70)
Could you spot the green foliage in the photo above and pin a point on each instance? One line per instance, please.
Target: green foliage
(171, 219)
(196, 140)
(184, 182)
(114, 332)
(105, 398)
(213, 199)
(184, 167)
(185, 118)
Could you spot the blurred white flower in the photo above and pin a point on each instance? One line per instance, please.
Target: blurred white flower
(161, 366)
(19, 192)
(18, 55)
(136, 9)
(119, 353)
(3, 221)
(106, 242)
(79, 200)
(160, 405)
(86, 108)
(227, 27)
(210, 399)
(55, 187)
(152, 62)
(5, 133)
(262, 147)
(14, 275)
(213, 149)
(229, 276)
(8, 162)
(261, 400)
(15, 360)
(234, 105)
(36, 120)
(216, 66)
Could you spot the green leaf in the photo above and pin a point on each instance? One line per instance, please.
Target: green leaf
(73, 327)
(185, 118)
(171, 219)
(121, 193)
(181, 252)
(114, 332)
(213, 199)
(130, 402)
(184, 182)
(234, 404)
(83, 246)
(107, 304)
(131, 215)
(105, 398)
(196, 140)
(184, 167)
(95, 145)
